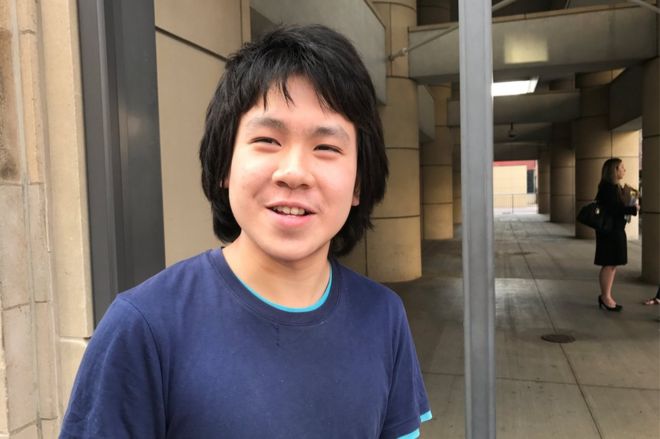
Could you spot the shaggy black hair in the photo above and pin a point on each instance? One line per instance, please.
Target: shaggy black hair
(331, 64)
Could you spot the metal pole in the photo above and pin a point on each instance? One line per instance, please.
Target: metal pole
(476, 74)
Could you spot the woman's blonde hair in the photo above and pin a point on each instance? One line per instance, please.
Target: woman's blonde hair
(608, 173)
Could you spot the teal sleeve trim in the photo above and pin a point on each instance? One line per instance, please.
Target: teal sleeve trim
(317, 305)
(426, 416)
(415, 434)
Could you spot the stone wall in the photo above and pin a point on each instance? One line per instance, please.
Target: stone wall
(44, 271)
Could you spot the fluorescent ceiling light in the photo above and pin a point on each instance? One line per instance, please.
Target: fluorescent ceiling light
(511, 88)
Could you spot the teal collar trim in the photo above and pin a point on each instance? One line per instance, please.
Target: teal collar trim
(313, 307)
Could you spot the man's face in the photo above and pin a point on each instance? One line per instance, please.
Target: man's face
(292, 179)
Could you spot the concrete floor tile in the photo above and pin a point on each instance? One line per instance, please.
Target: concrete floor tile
(447, 398)
(530, 410)
(518, 305)
(551, 288)
(441, 352)
(527, 357)
(442, 258)
(525, 410)
(611, 349)
(624, 364)
(520, 321)
(510, 260)
(625, 413)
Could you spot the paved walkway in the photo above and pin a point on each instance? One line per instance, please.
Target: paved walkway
(604, 385)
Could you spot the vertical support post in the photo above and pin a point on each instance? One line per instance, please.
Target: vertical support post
(103, 158)
(118, 57)
(476, 73)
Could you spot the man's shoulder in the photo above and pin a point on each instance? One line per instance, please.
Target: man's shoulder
(174, 282)
(367, 290)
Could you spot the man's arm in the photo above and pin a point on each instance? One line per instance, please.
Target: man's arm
(408, 404)
(118, 392)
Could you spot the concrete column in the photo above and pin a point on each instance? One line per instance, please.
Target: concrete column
(595, 143)
(625, 145)
(393, 248)
(544, 180)
(441, 208)
(651, 172)
(436, 160)
(592, 140)
(562, 175)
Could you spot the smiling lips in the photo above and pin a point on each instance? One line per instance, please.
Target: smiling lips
(286, 210)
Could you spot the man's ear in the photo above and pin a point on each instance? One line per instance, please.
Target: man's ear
(356, 196)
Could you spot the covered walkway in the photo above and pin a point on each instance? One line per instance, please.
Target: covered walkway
(606, 384)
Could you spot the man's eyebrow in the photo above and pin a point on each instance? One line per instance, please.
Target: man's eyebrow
(319, 131)
(268, 122)
(331, 130)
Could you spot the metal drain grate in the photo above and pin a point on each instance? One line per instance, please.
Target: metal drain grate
(558, 338)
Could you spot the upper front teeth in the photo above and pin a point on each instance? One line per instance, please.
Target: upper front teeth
(289, 210)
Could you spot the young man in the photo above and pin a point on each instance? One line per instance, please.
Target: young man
(268, 337)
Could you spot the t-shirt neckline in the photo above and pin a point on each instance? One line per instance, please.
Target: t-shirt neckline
(256, 304)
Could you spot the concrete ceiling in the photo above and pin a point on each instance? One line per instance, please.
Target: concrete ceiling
(550, 39)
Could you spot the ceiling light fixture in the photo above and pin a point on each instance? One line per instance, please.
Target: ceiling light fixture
(511, 88)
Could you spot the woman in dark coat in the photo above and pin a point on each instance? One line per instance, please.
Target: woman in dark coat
(611, 247)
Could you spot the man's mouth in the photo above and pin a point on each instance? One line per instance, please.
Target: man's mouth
(286, 210)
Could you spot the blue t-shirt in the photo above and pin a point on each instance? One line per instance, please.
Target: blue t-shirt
(192, 353)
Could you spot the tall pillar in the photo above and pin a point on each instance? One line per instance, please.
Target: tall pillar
(592, 140)
(562, 174)
(436, 160)
(625, 145)
(544, 180)
(595, 143)
(433, 12)
(651, 172)
(393, 248)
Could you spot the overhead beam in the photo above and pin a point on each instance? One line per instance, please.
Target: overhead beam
(591, 38)
(554, 106)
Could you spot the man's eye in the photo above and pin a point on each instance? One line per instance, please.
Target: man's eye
(265, 140)
(329, 148)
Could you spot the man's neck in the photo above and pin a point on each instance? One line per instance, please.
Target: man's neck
(293, 284)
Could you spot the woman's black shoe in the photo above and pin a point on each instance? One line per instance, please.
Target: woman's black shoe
(615, 308)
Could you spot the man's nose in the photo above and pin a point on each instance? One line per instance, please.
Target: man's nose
(293, 169)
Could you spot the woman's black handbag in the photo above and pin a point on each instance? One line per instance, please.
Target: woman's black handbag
(592, 215)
